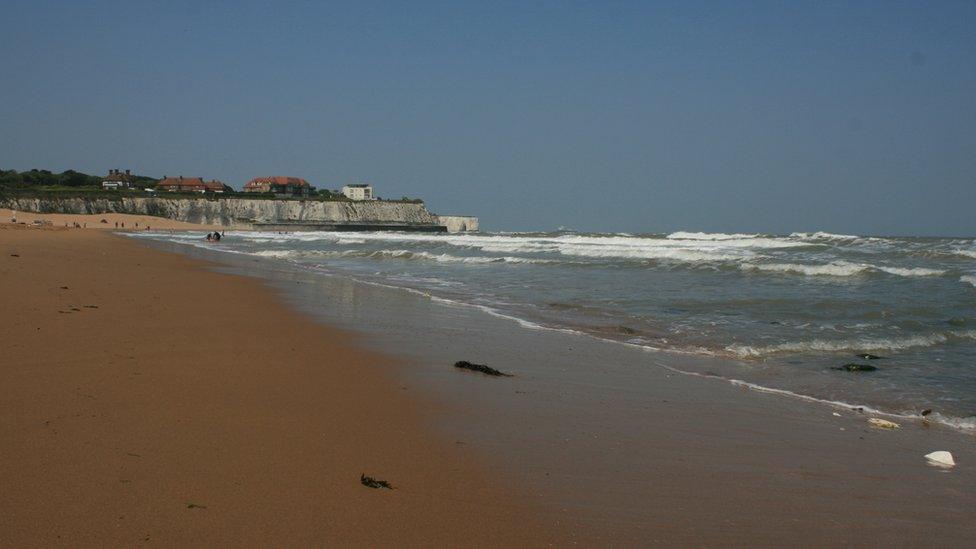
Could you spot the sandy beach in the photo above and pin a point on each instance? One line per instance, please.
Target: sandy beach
(145, 399)
(112, 221)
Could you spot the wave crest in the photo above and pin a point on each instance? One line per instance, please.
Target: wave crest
(840, 269)
(854, 345)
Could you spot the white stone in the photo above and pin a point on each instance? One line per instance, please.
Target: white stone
(942, 458)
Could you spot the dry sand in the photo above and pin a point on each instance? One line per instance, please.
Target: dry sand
(94, 221)
(147, 400)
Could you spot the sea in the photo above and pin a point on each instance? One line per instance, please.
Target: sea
(777, 313)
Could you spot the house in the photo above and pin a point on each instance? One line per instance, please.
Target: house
(279, 185)
(358, 192)
(191, 185)
(117, 180)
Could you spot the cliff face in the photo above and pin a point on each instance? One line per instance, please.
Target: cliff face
(458, 223)
(234, 212)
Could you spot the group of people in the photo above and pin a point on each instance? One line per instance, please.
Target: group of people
(214, 237)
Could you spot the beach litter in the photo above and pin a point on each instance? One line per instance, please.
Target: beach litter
(487, 370)
(883, 423)
(195, 506)
(374, 483)
(855, 367)
(941, 458)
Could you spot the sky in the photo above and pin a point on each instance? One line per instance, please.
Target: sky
(847, 117)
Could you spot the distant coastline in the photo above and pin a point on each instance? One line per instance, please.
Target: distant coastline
(271, 203)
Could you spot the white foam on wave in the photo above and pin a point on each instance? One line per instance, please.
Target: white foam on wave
(682, 235)
(727, 248)
(965, 253)
(276, 253)
(910, 271)
(821, 235)
(852, 345)
(840, 269)
(968, 279)
(448, 258)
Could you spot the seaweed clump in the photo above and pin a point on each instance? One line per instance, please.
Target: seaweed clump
(487, 370)
(371, 482)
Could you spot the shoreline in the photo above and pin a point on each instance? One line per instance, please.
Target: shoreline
(642, 454)
(147, 398)
(702, 364)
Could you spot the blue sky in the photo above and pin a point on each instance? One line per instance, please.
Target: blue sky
(855, 117)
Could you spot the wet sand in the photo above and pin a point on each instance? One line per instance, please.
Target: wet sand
(145, 399)
(632, 453)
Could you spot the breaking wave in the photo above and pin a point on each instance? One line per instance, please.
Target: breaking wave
(681, 235)
(820, 235)
(840, 268)
(965, 253)
(854, 345)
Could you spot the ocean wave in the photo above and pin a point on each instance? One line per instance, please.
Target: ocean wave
(910, 271)
(854, 345)
(840, 269)
(682, 235)
(968, 279)
(448, 258)
(965, 253)
(830, 269)
(820, 235)
(276, 253)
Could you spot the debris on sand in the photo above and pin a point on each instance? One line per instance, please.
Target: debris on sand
(855, 367)
(374, 483)
(195, 506)
(941, 458)
(487, 370)
(926, 412)
(883, 423)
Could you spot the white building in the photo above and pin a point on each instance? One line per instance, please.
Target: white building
(358, 192)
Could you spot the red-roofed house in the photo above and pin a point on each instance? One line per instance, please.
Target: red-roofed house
(291, 186)
(191, 185)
